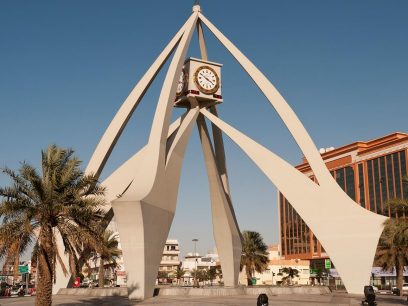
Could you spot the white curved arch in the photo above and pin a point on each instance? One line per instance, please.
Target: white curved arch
(121, 118)
(123, 176)
(286, 113)
(145, 211)
(325, 209)
(144, 224)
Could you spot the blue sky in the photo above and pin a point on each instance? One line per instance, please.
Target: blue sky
(67, 66)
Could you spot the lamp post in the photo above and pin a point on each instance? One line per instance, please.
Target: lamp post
(195, 255)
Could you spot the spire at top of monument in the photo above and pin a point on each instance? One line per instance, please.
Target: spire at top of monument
(196, 6)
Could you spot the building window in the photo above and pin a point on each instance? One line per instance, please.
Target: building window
(350, 183)
(340, 178)
(397, 175)
(377, 186)
(371, 185)
(390, 176)
(404, 173)
(314, 244)
(361, 184)
(383, 184)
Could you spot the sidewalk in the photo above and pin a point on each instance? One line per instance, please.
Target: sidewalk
(283, 300)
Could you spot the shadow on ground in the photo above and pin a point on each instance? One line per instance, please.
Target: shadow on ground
(88, 301)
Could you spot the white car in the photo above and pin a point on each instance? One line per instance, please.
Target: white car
(16, 291)
(404, 289)
(375, 289)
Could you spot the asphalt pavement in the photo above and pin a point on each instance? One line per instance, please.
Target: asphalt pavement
(245, 300)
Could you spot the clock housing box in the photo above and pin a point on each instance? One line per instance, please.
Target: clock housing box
(191, 89)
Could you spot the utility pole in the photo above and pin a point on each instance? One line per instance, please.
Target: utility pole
(195, 256)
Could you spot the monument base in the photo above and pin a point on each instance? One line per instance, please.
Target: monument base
(225, 291)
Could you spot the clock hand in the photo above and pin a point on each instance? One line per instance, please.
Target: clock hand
(207, 79)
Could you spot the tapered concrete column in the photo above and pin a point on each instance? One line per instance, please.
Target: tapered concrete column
(223, 213)
(226, 231)
(144, 224)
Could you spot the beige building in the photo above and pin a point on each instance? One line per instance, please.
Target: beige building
(171, 256)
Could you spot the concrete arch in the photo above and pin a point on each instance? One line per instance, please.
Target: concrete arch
(148, 190)
(337, 221)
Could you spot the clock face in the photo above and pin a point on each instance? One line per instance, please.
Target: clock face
(206, 79)
(181, 83)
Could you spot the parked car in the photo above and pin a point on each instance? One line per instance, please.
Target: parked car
(17, 291)
(31, 289)
(375, 289)
(395, 290)
(21, 290)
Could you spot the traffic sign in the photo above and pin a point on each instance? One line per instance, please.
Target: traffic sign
(327, 263)
(22, 269)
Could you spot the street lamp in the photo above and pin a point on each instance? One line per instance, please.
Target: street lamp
(195, 255)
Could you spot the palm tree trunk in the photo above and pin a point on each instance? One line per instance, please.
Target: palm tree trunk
(248, 275)
(101, 279)
(15, 267)
(45, 264)
(399, 267)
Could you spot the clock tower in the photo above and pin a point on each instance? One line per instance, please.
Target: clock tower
(199, 79)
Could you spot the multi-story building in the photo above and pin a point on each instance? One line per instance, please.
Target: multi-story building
(170, 258)
(194, 261)
(369, 172)
(274, 275)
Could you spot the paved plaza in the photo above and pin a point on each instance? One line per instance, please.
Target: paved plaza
(246, 300)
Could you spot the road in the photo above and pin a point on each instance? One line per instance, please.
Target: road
(246, 300)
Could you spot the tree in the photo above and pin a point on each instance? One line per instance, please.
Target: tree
(108, 254)
(392, 250)
(162, 275)
(212, 274)
(291, 274)
(179, 273)
(219, 271)
(40, 208)
(203, 275)
(200, 275)
(254, 254)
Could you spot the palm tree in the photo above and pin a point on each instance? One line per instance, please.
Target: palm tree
(392, 249)
(212, 274)
(40, 208)
(179, 273)
(291, 273)
(200, 275)
(109, 252)
(218, 269)
(254, 254)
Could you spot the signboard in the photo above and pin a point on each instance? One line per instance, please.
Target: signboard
(314, 272)
(23, 269)
(327, 263)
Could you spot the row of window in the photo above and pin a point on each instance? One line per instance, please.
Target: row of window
(379, 178)
(165, 257)
(384, 176)
(296, 231)
(171, 248)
